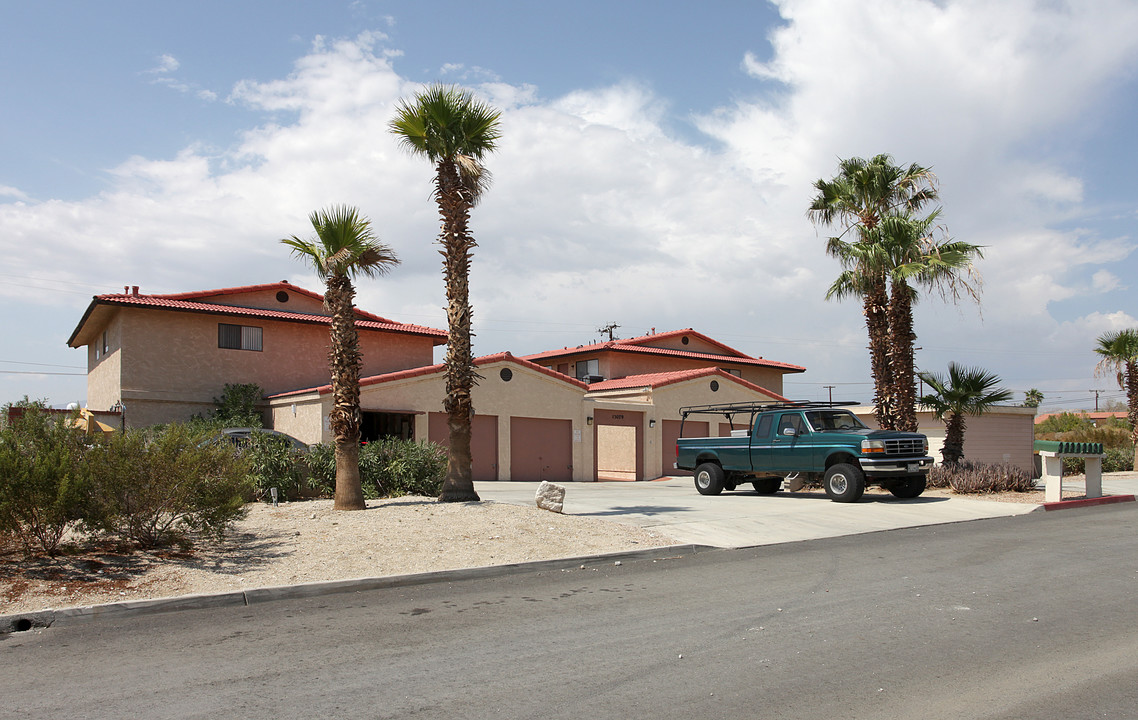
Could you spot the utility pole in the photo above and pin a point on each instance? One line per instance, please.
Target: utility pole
(831, 389)
(608, 329)
(1096, 392)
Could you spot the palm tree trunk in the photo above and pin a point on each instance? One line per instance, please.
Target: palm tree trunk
(877, 323)
(953, 450)
(1132, 405)
(344, 360)
(454, 207)
(901, 357)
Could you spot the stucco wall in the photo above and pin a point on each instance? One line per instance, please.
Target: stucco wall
(103, 373)
(267, 300)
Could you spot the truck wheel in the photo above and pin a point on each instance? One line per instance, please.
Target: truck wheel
(844, 483)
(709, 479)
(909, 487)
(767, 486)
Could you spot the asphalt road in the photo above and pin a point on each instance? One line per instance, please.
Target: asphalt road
(1018, 617)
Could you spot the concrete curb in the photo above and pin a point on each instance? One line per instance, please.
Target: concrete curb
(1087, 502)
(132, 608)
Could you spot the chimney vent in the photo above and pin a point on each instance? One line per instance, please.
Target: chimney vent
(134, 290)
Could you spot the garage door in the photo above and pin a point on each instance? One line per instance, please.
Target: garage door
(670, 431)
(541, 449)
(483, 442)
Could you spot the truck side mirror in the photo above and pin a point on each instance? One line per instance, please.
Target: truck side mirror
(789, 431)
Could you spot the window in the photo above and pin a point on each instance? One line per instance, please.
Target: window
(106, 345)
(588, 368)
(763, 427)
(793, 421)
(733, 371)
(238, 337)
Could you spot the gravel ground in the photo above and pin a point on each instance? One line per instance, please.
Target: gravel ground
(309, 541)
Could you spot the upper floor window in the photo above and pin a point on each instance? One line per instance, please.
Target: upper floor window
(238, 337)
(588, 368)
(733, 371)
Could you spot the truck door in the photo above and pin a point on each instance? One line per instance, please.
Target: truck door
(792, 448)
(761, 442)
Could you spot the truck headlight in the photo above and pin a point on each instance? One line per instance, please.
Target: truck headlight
(873, 446)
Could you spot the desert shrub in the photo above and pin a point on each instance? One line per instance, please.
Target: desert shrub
(154, 485)
(321, 464)
(1109, 435)
(1063, 422)
(1115, 459)
(274, 462)
(967, 477)
(389, 467)
(43, 481)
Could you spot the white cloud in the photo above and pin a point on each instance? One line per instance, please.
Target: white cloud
(598, 213)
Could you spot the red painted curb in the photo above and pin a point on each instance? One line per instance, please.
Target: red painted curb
(1084, 502)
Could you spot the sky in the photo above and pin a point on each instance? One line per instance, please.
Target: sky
(655, 168)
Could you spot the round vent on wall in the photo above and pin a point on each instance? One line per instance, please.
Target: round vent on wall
(714, 386)
(282, 296)
(684, 340)
(506, 374)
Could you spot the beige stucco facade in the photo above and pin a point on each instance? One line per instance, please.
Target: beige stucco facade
(166, 365)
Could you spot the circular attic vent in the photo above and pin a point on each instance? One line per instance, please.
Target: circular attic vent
(506, 374)
(714, 386)
(684, 340)
(282, 296)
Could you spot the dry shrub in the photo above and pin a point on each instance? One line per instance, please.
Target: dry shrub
(967, 477)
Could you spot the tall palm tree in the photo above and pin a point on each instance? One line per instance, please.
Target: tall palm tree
(344, 247)
(1032, 398)
(454, 131)
(915, 255)
(963, 391)
(1119, 353)
(859, 197)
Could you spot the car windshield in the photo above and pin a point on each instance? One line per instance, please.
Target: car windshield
(834, 420)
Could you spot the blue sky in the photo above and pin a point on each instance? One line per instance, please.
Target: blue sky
(654, 171)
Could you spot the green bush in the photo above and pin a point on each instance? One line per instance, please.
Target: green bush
(274, 462)
(967, 477)
(154, 485)
(389, 467)
(43, 482)
(1115, 459)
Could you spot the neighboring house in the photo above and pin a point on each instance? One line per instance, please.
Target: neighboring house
(662, 352)
(1094, 417)
(162, 358)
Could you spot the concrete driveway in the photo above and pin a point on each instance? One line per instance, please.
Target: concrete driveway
(744, 518)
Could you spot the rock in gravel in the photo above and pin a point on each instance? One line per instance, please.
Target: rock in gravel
(550, 496)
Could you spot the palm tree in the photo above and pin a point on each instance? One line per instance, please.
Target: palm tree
(454, 131)
(344, 247)
(964, 391)
(1119, 352)
(913, 254)
(860, 196)
(1032, 398)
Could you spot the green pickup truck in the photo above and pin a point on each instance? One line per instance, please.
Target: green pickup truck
(803, 442)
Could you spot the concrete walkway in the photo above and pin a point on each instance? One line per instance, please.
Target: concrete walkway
(743, 518)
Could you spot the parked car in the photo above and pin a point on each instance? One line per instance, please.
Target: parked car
(240, 437)
(803, 441)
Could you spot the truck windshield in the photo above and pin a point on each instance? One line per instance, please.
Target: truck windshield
(834, 420)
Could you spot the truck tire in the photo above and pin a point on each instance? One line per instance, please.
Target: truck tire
(909, 487)
(844, 483)
(709, 479)
(767, 486)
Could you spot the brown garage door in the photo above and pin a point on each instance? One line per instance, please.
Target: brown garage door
(670, 430)
(541, 449)
(483, 442)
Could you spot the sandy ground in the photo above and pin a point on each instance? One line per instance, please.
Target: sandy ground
(309, 541)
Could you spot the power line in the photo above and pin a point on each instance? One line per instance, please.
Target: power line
(21, 362)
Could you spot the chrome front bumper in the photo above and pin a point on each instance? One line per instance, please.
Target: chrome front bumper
(877, 467)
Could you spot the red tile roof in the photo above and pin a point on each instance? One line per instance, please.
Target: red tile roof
(184, 302)
(639, 345)
(658, 380)
(433, 369)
